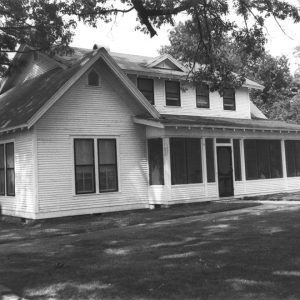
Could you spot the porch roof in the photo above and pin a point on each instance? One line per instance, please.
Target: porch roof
(218, 123)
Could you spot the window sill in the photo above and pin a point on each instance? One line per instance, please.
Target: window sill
(186, 185)
(170, 106)
(96, 194)
(206, 108)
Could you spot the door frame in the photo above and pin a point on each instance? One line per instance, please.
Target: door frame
(229, 145)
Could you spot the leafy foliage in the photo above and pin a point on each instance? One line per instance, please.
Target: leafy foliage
(47, 24)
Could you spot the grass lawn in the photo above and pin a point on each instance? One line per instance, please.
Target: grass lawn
(253, 253)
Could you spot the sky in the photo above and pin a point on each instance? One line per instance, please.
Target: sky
(121, 36)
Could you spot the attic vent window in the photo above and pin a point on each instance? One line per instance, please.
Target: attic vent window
(93, 78)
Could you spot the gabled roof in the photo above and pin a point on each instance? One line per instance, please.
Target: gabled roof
(23, 105)
(220, 123)
(166, 57)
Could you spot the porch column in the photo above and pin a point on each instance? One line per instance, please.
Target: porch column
(283, 158)
(167, 170)
(243, 167)
(204, 170)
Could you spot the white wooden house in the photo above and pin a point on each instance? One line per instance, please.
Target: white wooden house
(98, 131)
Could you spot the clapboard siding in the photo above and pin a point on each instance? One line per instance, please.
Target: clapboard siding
(188, 103)
(23, 204)
(84, 111)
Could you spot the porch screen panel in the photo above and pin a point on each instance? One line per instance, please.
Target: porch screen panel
(263, 159)
(156, 161)
(186, 164)
(193, 157)
(275, 159)
(292, 153)
(84, 166)
(251, 159)
(107, 157)
(237, 160)
(2, 171)
(210, 160)
(178, 161)
(10, 169)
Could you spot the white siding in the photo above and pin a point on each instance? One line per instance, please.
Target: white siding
(91, 112)
(23, 204)
(188, 103)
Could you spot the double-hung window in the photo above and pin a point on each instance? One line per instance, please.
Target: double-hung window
(202, 96)
(172, 93)
(7, 169)
(107, 159)
(229, 99)
(146, 87)
(86, 167)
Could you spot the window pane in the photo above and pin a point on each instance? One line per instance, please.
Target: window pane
(237, 160)
(107, 158)
(194, 164)
(229, 99)
(10, 155)
(107, 151)
(156, 164)
(251, 159)
(84, 151)
(93, 78)
(275, 159)
(172, 93)
(290, 158)
(10, 171)
(146, 87)
(178, 161)
(85, 181)
(210, 160)
(84, 166)
(108, 178)
(202, 96)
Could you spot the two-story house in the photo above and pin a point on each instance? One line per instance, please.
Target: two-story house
(98, 131)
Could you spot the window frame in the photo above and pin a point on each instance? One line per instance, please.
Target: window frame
(161, 158)
(4, 171)
(88, 78)
(96, 163)
(199, 93)
(225, 106)
(115, 165)
(93, 165)
(6, 194)
(151, 101)
(178, 93)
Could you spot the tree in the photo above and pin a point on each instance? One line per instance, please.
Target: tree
(24, 21)
(273, 72)
(39, 24)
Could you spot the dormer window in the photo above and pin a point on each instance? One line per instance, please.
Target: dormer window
(202, 96)
(229, 99)
(172, 93)
(93, 78)
(146, 86)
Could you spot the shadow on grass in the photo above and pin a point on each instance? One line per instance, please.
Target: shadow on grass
(254, 256)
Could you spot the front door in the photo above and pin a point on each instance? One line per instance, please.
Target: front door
(225, 175)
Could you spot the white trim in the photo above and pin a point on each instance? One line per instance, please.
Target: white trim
(283, 159)
(204, 165)
(96, 164)
(35, 170)
(167, 169)
(148, 122)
